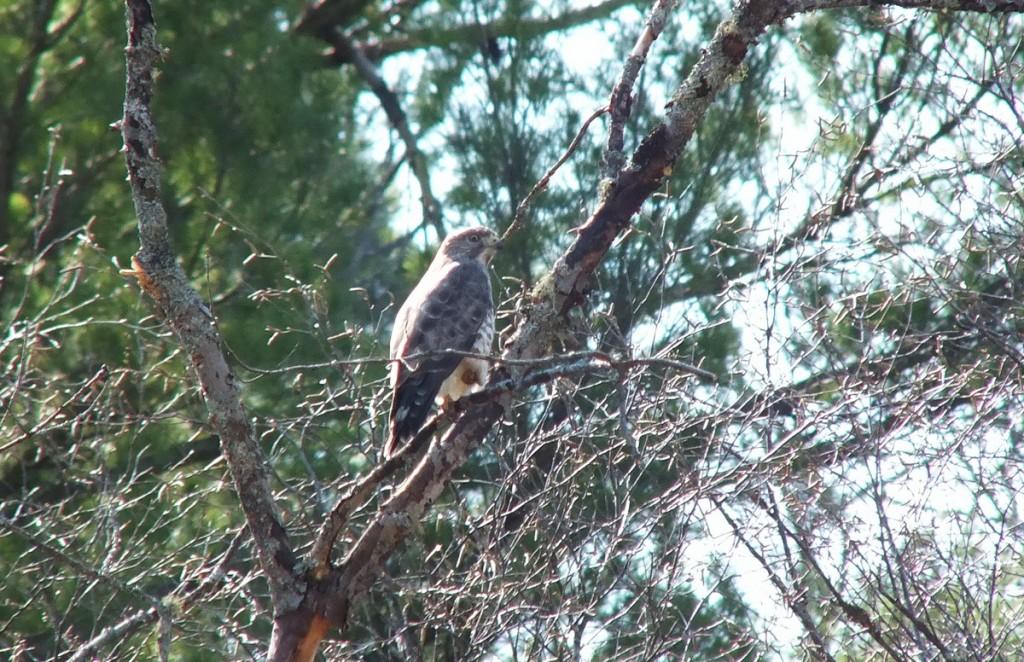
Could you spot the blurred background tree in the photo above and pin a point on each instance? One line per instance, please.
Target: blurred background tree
(840, 244)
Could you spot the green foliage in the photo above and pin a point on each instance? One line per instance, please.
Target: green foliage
(822, 37)
(262, 158)
(829, 230)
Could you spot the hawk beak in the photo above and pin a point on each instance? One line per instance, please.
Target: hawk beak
(492, 247)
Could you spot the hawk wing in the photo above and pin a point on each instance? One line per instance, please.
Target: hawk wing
(446, 310)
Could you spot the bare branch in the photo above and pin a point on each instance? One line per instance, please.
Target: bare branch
(853, 612)
(80, 397)
(621, 101)
(524, 204)
(82, 568)
(157, 271)
(980, 6)
(393, 109)
(115, 632)
(358, 494)
(796, 601)
(125, 626)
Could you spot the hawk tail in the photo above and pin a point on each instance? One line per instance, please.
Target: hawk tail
(398, 434)
(411, 405)
(392, 445)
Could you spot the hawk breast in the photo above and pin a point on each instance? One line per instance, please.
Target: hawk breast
(471, 373)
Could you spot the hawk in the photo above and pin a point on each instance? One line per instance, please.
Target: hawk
(450, 308)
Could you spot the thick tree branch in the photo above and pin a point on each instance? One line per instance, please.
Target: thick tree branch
(406, 507)
(157, 271)
(979, 6)
(358, 494)
(651, 163)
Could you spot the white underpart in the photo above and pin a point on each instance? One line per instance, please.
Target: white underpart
(469, 370)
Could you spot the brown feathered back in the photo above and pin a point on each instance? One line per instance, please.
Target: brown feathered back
(449, 309)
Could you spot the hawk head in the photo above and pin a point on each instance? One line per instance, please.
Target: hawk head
(472, 244)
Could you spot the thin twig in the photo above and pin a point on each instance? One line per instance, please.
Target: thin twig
(542, 184)
(115, 632)
(67, 559)
(80, 397)
(122, 628)
(797, 603)
(546, 361)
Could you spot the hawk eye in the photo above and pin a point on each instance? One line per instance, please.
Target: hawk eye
(475, 238)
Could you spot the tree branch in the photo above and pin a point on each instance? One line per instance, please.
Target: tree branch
(542, 183)
(979, 6)
(853, 612)
(317, 21)
(551, 300)
(358, 493)
(158, 273)
(137, 619)
(621, 102)
(393, 109)
(797, 602)
(850, 198)
(80, 567)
